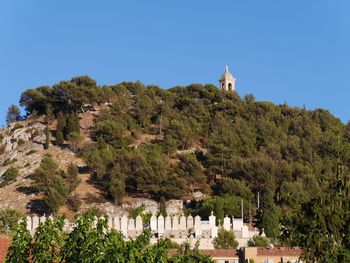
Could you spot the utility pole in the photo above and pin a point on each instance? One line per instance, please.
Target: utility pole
(258, 199)
(242, 207)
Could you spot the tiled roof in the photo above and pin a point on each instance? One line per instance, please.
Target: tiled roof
(220, 253)
(4, 245)
(213, 253)
(278, 251)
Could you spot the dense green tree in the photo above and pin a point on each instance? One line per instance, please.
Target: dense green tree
(268, 218)
(162, 207)
(48, 238)
(72, 177)
(19, 250)
(13, 114)
(258, 241)
(321, 224)
(225, 240)
(49, 180)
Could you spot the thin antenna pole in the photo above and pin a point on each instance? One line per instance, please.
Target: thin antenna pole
(242, 207)
(258, 199)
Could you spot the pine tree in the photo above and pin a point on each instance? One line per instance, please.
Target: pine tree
(72, 177)
(162, 207)
(13, 114)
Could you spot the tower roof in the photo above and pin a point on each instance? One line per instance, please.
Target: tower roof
(227, 75)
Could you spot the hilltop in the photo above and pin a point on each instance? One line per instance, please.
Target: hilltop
(131, 140)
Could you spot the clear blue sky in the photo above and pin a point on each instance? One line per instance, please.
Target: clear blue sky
(293, 51)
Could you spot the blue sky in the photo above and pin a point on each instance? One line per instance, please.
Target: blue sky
(295, 52)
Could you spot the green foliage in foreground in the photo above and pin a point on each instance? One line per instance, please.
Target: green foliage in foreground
(322, 225)
(9, 219)
(87, 243)
(225, 240)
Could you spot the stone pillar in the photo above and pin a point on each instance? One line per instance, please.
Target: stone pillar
(245, 232)
(35, 222)
(131, 224)
(190, 222)
(160, 226)
(116, 223)
(42, 219)
(153, 223)
(138, 223)
(124, 225)
(176, 223)
(183, 223)
(227, 223)
(29, 223)
(212, 220)
(197, 226)
(110, 223)
(214, 232)
(167, 223)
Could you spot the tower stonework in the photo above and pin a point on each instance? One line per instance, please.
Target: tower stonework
(227, 82)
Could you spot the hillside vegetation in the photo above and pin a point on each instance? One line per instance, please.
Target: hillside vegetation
(147, 141)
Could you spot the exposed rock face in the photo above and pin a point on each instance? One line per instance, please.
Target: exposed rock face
(21, 142)
(173, 207)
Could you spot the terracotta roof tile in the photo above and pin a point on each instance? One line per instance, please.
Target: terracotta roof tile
(4, 245)
(223, 253)
(278, 251)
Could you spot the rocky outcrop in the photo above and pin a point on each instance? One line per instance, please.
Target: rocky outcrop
(20, 145)
(173, 207)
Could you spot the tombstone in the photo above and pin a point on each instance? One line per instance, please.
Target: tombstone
(42, 219)
(190, 222)
(212, 219)
(167, 223)
(160, 226)
(214, 232)
(153, 223)
(183, 223)
(237, 224)
(110, 223)
(29, 223)
(138, 223)
(227, 223)
(35, 222)
(131, 224)
(116, 223)
(245, 232)
(124, 225)
(176, 225)
(197, 222)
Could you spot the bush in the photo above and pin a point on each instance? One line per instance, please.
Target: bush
(10, 175)
(8, 219)
(74, 202)
(20, 142)
(258, 241)
(225, 240)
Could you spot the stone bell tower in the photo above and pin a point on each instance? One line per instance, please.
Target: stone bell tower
(227, 82)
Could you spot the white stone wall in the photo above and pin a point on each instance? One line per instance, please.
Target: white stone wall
(178, 229)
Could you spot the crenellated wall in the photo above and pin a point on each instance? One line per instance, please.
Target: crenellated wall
(178, 229)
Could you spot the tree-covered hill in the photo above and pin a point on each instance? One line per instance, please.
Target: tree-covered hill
(171, 143)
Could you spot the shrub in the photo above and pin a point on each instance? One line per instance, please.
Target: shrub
(10, 174)
(74, 202)
(20, 142)
(225, 240)
(8, 219)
